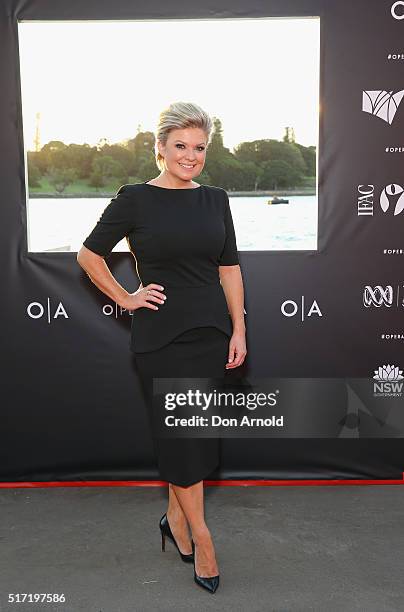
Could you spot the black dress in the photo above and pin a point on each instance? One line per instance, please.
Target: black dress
(178, 238)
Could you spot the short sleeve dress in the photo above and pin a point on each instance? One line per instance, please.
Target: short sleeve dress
(179, 238)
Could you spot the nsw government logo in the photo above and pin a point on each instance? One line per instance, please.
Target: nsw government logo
(388, 381)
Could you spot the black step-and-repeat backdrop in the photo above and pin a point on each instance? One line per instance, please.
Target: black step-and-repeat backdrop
(331, 321)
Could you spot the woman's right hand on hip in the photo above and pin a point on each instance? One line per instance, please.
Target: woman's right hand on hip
(146, 297)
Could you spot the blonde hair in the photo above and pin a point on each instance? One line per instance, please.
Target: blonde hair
(180, 115)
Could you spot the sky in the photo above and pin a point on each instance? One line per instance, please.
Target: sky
(108, 79)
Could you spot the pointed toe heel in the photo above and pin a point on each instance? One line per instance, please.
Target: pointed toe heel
(210, 583)
(166, 532)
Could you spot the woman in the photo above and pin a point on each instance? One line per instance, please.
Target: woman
(188, 312)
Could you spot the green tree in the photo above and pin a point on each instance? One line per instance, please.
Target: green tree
(61, 178)
(259, 164)
(266, 153)
(34, 175)
(81, 158)
(107, 167)
(120, 154)
(36, 158)
(276, 174)
(54, 155)
(218, 157)
(96, 179)
(143, 158)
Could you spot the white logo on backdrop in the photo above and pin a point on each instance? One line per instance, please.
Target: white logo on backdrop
(398, 14)
(388, 383)
(36, 310)
(114, 310)
(378, 296)
(365, 200)
(290, 308)
(388, 372)
(391, 199)
(392, 191)
(381, 103)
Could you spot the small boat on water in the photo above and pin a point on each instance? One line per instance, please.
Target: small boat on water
(276, 200)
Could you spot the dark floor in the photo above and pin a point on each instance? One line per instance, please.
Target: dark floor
(321, 548)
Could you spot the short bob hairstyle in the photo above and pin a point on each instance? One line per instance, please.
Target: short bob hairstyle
(180, 115)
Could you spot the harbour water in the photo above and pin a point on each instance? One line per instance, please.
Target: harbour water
(61, 224)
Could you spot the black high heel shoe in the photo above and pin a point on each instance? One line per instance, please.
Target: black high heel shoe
(166, 531)
(210, 583)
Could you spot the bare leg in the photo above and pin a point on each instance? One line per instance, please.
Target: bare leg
(178, 522)
(192, 503)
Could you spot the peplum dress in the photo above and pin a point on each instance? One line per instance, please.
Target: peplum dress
(178, 238)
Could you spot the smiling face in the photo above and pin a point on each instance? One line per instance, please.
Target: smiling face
(184, 153)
